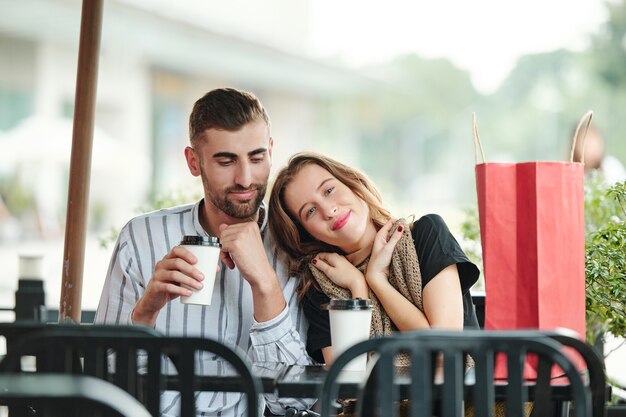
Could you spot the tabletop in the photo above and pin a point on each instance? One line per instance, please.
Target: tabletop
(306, 381)
(300, 381)
(227, 380)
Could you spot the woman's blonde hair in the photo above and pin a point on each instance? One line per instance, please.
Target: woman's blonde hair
(288, 232)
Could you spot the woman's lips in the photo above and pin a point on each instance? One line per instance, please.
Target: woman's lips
(341, 221)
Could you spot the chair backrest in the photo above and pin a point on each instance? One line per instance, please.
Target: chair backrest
(68, 395)
(594, 364)
(140, 363)
(14, 332)
(382, 389)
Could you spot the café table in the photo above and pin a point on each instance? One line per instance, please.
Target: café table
(306, 382)
(229, 381)
(297, 381)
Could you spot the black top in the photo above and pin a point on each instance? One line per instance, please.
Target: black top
(436, 249)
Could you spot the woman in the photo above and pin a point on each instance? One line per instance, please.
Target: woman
(343, 243)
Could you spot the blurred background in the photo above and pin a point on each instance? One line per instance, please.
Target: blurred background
(389, 86)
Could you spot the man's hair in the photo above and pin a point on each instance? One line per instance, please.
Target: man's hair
(225, 109)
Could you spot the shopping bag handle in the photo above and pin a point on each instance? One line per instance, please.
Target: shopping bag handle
(588, 116)
(477, 144)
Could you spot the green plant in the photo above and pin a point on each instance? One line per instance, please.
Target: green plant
(171, 199)
(18, 199)
(601, 205)
(470, 228)
(605, 264)
(605, 255)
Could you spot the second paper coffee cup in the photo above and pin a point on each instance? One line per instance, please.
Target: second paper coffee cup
(207, 250)
(350, 322)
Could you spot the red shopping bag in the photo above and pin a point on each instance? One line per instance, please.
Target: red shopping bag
(532, 235)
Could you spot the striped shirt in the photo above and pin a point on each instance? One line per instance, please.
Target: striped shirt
(143, 242)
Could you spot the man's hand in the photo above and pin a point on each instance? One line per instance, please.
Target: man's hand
(175, 269)
(242, 246)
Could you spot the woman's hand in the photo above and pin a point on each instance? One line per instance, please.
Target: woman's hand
(340, 271)
(378, 266)
(402, 312)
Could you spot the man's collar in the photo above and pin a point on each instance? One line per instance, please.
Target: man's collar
(261, 220)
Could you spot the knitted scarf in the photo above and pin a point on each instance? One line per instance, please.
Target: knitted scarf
(404, 276)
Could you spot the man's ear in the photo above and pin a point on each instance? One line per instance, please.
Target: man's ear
(193, 162)
(270, 147)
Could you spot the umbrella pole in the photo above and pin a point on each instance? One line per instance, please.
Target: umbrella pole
(80, 163)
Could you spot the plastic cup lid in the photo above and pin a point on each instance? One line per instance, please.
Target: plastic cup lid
(350, 304)
(200, 240)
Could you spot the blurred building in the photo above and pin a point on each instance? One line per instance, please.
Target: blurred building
(157, 58)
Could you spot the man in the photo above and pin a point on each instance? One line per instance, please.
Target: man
(231, 150)
(595, 157)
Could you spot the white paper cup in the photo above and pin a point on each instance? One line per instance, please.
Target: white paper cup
(30, 267)
(350, 322)
(207, 250)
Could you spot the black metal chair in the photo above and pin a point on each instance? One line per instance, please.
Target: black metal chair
(594, 364)
(139, 363)
(600, 391)
(14, 332)
(57, 394)
(381, 391)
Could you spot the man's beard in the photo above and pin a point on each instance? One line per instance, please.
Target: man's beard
(239, 209)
